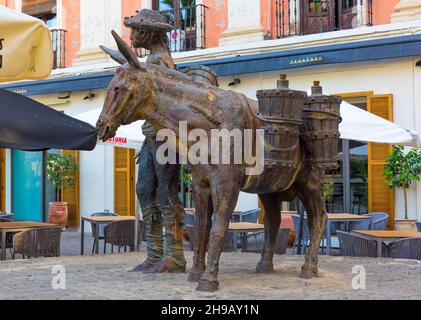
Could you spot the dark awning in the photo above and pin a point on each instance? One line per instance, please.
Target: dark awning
(26, 124)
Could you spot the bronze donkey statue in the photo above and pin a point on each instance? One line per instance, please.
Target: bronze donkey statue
(165, 97)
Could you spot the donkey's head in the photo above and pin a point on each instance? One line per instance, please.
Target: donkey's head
(127, 90)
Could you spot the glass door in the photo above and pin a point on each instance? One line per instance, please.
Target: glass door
(27, 185)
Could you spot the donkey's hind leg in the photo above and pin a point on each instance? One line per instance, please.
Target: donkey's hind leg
(202, 226)
(272, 205)
(310, 191)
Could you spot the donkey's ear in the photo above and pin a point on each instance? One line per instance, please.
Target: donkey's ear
(128, 53)
(115, 55)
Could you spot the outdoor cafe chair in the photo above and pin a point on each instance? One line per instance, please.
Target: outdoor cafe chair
(409, 248)
(9, 236)
(251, 216)
(378, 222)
(121, 234)
(34, 243)
(101, 227)
(355, 245)
(305, 234)
(305, 240)
(229, 242)
(257, 241)
(419, 226)
(188, 218)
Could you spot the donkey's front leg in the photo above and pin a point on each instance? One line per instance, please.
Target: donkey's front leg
(202, 225)
(272, 205)
(311, 195)
(224, 197)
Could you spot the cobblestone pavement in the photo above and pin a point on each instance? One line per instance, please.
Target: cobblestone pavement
(108, 277)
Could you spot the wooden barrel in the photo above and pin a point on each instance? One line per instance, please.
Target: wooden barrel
(320, 130)
(280, 114)
(202, 74)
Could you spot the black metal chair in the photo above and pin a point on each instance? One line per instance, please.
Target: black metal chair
(419, 226)
(101, 227)
(409, 248)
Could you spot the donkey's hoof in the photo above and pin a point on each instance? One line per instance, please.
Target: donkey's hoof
(309, 272)
(194, 276)
(208, 286)
(171, 265)
(264, 267)
(146, 266)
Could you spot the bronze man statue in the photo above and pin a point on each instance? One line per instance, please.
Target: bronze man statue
(157, 185)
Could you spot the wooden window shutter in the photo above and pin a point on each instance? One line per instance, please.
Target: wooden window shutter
(2, 180)
(380, 196)
(71, 195)
(124, 182)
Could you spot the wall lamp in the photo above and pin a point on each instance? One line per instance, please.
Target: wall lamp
(90, 95)
(235, 82)
(64, 95)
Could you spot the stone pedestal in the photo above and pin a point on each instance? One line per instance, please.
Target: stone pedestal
(407, 10)
(244, 23)
(97, 19)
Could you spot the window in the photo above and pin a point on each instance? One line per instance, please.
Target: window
(347, 4)
(163, 5)
(45, 10)
(188, 21)
(349, 184)
(318, 6)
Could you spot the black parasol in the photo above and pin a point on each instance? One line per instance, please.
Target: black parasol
(26, 124)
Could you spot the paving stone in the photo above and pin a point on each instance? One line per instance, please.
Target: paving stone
(107, 277)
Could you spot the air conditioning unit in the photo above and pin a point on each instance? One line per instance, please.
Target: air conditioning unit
(177, 40)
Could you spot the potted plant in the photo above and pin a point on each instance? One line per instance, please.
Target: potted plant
(328, 188)
(60, 173)
(401, 170)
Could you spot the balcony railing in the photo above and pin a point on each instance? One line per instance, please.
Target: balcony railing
(189, 31)
(58, 37)
(301, 17)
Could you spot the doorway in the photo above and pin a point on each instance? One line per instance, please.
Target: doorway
(27, 186)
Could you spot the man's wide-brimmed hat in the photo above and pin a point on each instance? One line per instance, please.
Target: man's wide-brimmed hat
(147, 19)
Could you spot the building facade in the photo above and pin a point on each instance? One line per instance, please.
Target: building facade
(367, 51)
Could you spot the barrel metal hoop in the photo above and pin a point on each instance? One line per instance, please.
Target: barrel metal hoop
(320, 135)
(278, 120)
(321, 115)
(271, 148)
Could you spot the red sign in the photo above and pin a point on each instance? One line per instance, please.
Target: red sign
(118, 140)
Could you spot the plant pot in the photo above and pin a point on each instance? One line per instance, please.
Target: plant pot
(57, 213)
(286, 222)
(406, 225)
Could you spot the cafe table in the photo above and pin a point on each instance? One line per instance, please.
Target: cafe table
(18, 226)
(341, 217)
(243, 227)
(97, 221)
(386, 236)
